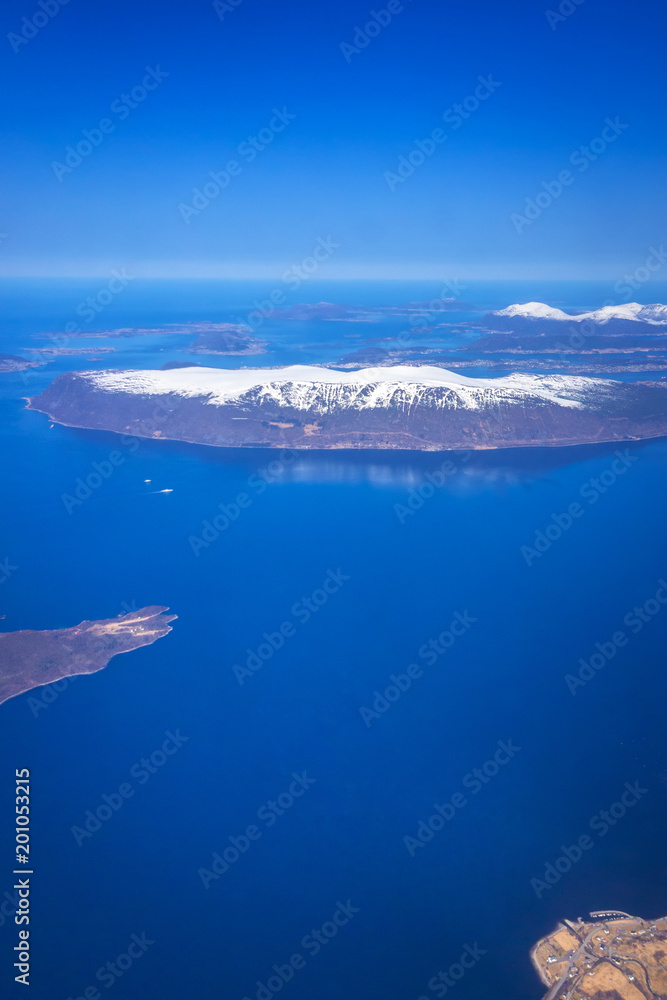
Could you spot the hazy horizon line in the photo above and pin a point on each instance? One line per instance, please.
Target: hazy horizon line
(451, 275)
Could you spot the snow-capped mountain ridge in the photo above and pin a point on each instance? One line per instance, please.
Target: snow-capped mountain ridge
(308, 387)
(655, 314)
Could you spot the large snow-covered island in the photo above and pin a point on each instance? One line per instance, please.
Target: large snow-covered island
(404, 407)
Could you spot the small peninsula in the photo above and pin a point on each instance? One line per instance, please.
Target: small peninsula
(30, 659)
(613, 956)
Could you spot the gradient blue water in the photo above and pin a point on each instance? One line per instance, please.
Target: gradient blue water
(343, 839)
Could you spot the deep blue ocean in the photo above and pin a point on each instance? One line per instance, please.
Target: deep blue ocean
(331, 858)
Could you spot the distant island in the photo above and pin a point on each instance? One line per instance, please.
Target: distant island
(366, 314)
(597, 343)
(29, 659)
(497, 354)
(421, 407)
(226, 338)
(614, 956)
(212, 338)
(15, 363)
(70, 351)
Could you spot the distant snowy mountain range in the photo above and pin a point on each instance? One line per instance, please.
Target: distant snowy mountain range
(626, 318)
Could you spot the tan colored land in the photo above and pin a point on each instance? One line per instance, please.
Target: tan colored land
(613, 956)
(30, 659)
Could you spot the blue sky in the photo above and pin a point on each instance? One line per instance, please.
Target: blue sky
(331, 170)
